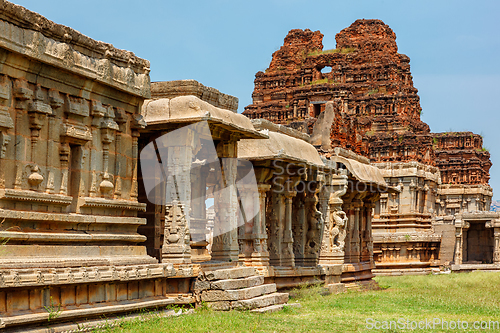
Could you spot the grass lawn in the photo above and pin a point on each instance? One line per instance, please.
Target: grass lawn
(466, 297)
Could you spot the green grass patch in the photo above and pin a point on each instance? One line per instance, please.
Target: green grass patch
(465, 297)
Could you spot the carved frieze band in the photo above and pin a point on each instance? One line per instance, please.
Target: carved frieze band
(57, 276)
(35, 45)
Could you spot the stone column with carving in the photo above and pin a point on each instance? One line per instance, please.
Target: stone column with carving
(349, 211)
(459, 240)
(177, 240)
(355, 238)
(368, 234)
(108, 134)
(6, 123)
(314, 224)
(261, 255)
(288, 258)
(496, 246)
(274, 218)
(198, 220)
(256, 236)
(253, 235)
(22, 96)
(225, 242)
(335, 227)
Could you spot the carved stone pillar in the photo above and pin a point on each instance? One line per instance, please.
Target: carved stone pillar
(176, 247)
(335, 226)
(37, 111)
(348, 208)
(460, 225)
(108, 132)
(355, 238)
(413, 191)
(260, 256)
(368, 235)
(496, 246)
(225, 242)
(64, 160)
(198, 220)
(314, 223)
(135, 152)
(275, 217)
(288, 258)
(253, 235)
(458, 246)
(6, 123)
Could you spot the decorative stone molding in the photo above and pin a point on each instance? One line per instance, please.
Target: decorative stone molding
(6, 121)
(22, 93)
(90, 202)
(60, 276)
(176, 245)
(77, 106)
(23, 195)
(68, 49)
(4, 141)
(76, 132)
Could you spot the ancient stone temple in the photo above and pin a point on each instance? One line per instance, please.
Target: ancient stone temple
(69, 126)
(463, 201)
(360, 96)
(118, 195)
(376, 108)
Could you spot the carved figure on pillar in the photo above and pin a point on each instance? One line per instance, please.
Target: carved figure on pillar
(337, 230)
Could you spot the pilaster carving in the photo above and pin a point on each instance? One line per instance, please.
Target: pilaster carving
(176, 248)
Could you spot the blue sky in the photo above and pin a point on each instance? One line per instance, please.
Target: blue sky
(454, 46)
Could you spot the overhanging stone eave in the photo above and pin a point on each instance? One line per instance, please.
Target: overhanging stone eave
(245, 133)
(284, 158)
(280, 146)
(375, 179)
(191, 109)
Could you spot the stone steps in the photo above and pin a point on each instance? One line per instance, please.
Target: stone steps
(238, 294)
(228, 284)
(239, 288)
(261, 301)
(230, 273)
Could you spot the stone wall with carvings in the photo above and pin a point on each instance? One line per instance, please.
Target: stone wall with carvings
(69, 125)
(404, 238)
(461, 158)
(360, 96)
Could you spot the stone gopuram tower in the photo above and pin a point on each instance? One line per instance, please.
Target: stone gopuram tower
(360, 96)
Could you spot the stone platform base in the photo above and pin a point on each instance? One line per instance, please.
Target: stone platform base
(359, 276)
(99, 323)
(32, 296)
(292, 277)
(403, 271)
(336, 288)
(362, 285)
(476, 267)
(403, 268)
